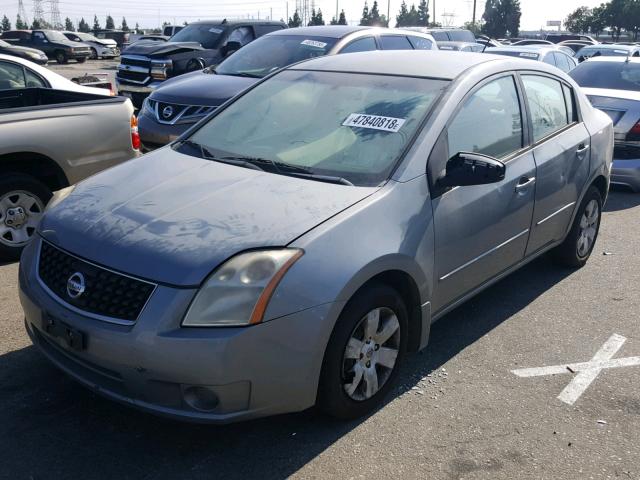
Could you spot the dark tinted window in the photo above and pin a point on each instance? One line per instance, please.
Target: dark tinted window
(33, 80)
(547, 105)
(420, 43)
(569, 99)
(490, 121)
(615, 75)
(462, 36)
(550, 58)
(361, 45)
(395, 42)
(264, 29)
(207, 35)
(440, 36)
(242, 35)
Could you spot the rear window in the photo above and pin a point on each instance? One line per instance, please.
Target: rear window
(589, 52)
(515, 53)
(462, 36)
(614, 75)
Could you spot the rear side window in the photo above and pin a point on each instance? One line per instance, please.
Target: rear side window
(361, 45)
(395, 42)
(550, 59)
(420, 43)
(569, 100)
(462, 36)
(264, 29)
(490, 122)
(563, 62)
(11, 76)
(546, 100)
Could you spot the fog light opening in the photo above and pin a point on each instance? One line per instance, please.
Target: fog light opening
(199, 398)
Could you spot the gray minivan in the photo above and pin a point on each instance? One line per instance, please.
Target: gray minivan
(292, 248)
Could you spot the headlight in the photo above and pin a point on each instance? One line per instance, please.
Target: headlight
(160, 69)
(237, 293)
(148, 107)
(37, 56)
(59, 196)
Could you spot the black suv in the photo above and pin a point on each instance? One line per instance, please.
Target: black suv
(146, 64)
(53, 43)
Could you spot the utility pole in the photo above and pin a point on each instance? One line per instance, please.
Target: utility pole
(22, 12)
(434, 12)
(38, 11)
(287, 19)
(474, 12)
(337, 13)
(389, 12)
(56, 21)
(271, 14)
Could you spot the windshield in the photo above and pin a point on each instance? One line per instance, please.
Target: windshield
(54, 36)
(268, 54)
(206, 35)
(515, 53)
(614, 75)
(86, 37)
(347, 126)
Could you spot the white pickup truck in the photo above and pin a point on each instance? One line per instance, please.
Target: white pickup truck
(50, 139)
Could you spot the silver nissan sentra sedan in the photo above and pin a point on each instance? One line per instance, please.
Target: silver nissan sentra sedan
(291, 248)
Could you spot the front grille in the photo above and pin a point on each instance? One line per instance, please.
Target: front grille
(106, 293)
(137, 77)
(171, 113)
(137, 62)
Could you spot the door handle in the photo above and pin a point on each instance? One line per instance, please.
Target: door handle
(524, 183)
(582, 148)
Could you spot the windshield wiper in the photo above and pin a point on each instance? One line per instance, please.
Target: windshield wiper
(207, 155)
(292, 170)
(244, 74)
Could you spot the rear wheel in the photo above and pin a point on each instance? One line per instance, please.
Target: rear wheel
(577, 247)
(94, 54)
(22, 203)
(61, 57)
(364, 353)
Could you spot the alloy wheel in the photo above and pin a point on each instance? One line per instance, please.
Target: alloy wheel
(371, 353)
(588, 228)
(20, 213)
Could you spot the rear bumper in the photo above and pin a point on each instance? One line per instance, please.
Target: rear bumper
(626, 168)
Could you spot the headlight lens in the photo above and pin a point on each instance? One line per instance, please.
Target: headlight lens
(237, 292)
(148, 107)
(160, 69)
(33, 55)
(59, 196)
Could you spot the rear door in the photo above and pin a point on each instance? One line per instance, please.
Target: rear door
(561, 146)
(482, 230)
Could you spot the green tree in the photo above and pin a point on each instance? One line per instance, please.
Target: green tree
(83, 26)
(110, 24)
(96, 23)
(21, 24)
(374, 15)
(512, 16)
(632, 17)
(295, 21)
(597, 21)
(365, 20)
(343, 18)
(402, 17)
(68, 25)
(37, 24)
(6, 24)
(615, 16)
(501, 17)
(578, 20)
(423, 13)
(318, 19)
(124, 27)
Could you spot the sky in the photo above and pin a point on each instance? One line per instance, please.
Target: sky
(151, 13)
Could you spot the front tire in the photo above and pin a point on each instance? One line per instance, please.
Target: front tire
(94, 54)
(61, 57)
(365, 351)
(22, 203)
(577, 247)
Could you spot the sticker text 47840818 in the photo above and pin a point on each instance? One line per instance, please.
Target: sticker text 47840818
(375, 122)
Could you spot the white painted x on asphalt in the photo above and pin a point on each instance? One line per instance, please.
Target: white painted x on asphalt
(586, 371)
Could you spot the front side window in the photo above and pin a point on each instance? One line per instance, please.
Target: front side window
(53, 36)
(242, 35)
(490, 122)
(395, 42)
(39, 36)
(350, 126)
(11, 76)
(269, 54)
(546, 104)
(367, 44)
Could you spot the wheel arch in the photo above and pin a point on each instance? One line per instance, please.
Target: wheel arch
(36, 165)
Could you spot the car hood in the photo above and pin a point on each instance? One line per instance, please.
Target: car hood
(25, 49)
(173, 218)
(152, 48)
(198, 88)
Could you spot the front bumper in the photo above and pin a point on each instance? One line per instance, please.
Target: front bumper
(626, 169)
(155, 135)
(155, 364)
(136, 93)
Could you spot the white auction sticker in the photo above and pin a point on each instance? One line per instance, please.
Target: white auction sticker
(313, 43)
(375, 122)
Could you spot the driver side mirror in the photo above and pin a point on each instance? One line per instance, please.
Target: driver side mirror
(232, 47)
(464, 169)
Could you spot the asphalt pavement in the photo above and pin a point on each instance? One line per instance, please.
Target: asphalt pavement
(459, 412)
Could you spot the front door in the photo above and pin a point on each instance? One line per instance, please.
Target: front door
(482, 230)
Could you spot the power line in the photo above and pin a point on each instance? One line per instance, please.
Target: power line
(22, 12)
(56, 20)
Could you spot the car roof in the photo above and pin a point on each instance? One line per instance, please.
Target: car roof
(612, 46)
(331, 31)
(525, 48)
(413, 63)
(237, 22)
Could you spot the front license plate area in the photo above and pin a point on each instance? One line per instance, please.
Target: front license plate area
(68, 335)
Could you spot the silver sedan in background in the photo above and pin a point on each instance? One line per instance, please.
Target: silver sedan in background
(612, 84)
(291, 248)
(558, 56)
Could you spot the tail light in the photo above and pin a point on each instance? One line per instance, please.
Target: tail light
(634, 134)
(135, 136)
